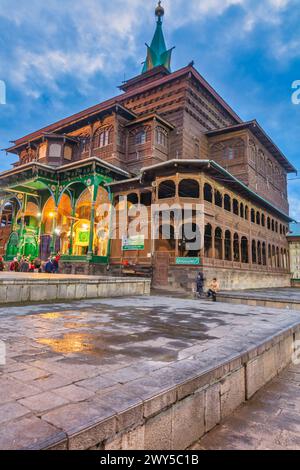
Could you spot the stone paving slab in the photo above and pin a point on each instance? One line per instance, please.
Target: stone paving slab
(270, 421)
(78, 371)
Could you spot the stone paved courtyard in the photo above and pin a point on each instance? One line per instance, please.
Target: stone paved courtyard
(69, 364)
(270, 421)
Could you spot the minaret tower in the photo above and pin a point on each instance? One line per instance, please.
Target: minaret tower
(157, 53)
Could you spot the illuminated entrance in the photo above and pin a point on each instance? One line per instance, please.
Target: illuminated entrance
(68, 213)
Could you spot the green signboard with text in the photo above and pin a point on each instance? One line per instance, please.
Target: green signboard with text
(136, 243)
(188, 261)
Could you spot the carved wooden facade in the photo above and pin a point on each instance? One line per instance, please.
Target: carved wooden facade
(162, 117)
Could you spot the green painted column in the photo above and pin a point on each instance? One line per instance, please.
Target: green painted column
(72, 229)
(22, 228)
(111, 223)
(92, 223)
(53, 237)
(54, 224)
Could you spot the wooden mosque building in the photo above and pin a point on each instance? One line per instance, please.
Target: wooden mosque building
(167, 138)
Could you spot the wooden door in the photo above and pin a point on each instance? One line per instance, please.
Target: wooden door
(161, 269)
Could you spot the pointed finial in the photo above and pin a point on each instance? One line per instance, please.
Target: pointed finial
(159, 11)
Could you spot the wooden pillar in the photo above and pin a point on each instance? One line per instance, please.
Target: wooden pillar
(223, 246)
(213, 248)
(249, 251)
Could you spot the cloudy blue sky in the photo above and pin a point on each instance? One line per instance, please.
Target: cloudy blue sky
(60, 57)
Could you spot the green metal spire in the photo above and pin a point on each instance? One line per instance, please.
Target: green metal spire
(157, 53)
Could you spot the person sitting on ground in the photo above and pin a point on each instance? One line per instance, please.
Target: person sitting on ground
(14, 265)
(37, 265)
(24, 265)
(31, 266)
(49, 266)
(56, 263)
(2, 267)
(199, 284)
(213, 289)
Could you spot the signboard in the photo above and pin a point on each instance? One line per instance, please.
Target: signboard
(188, 261)
(135, 243)
(82, 238)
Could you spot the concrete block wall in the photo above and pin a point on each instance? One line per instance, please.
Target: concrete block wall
(230, 279)
(38, 290)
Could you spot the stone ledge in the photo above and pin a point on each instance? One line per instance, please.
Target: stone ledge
(286, 298)
(187, 406)
(36, 289)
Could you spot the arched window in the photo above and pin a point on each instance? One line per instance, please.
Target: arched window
(229, 153)
(208, 193)
(218, 199)
(161, 137)
(246, 212)
(276, 227)
(227, 203)
(102, 137)
(269, 255)
(261, 161)
(259, 257)
(236, 248)
(270, 169)
(263, 220)
(140, 137)
(252, 151)
(233, 149)
(190, 239)
(258, 218)
(273, 225)
(235, 206)
(269, 223)
(133, 198)
(253, 216)
(264, 254)
(280, 229)
(277, 258)
(167, 189)
(189, 188)
(146, 198)
(254, 253)
(244, 250)
(218, 243)
(208, 241)
(228, 254)
(242, 211)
